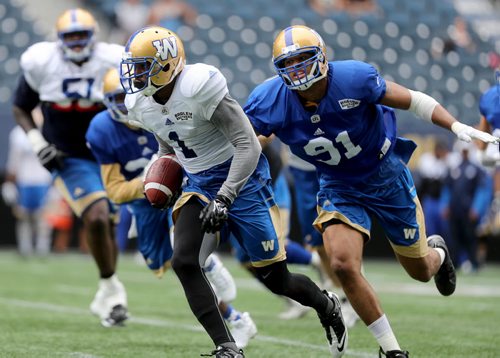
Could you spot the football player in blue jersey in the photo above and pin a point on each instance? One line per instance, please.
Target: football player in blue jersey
(338, 116)
(64, 77)
(489, 107)
(124, 153)
(191, 113)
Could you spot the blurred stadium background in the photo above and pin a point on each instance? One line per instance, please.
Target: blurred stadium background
(404, 39)
(236, 36)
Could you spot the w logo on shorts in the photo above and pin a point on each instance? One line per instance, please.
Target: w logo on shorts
(409, 233)
(268, 245)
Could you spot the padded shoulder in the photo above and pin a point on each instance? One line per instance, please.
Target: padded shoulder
(201, 80)
(38, 55)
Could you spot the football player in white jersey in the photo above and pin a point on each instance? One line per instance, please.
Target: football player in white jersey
(228, 188)
(65, 78)
(124, 153)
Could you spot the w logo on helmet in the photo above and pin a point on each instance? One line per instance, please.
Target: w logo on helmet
(166, 46)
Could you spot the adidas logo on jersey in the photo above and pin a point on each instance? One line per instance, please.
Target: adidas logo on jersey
(348, 103)
(168, 122)
(319, 132)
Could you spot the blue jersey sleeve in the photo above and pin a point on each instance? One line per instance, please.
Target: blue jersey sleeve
(263, 104)
(97, 137)
(370, 85)
(257, 115)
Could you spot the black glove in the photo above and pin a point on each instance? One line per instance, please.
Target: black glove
(215, 214)
(50, 157)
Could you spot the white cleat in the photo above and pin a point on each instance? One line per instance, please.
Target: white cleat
(294, 310)
(335, 328)
(220, 278)
(243, 329)
(110, 302)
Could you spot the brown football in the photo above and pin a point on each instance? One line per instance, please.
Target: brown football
(163, 180)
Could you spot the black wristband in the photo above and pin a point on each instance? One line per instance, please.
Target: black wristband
(223, 199)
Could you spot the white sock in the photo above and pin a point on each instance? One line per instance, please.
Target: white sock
(382, 331)
(110, 281)
(442, 254)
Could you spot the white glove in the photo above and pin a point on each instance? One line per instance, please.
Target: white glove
(9, 193)
(467, 133)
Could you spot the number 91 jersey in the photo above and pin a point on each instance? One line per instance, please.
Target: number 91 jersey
(184, 122)
(345, 136)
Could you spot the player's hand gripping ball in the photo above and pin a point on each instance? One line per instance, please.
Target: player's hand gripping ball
(163, 181)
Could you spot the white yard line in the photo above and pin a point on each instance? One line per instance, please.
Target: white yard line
(166, 323)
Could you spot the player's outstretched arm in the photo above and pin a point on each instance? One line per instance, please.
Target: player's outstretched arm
(427, 108)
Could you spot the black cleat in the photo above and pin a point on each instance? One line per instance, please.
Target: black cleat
(336, 331)
(225, 352)
(445, 278)
(117, 317)
(393, 354)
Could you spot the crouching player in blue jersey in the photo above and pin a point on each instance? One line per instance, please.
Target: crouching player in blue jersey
(191, 113)
(123, 153)
(336, 116)
(64, 78)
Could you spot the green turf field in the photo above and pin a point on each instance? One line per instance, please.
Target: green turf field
(44, 313)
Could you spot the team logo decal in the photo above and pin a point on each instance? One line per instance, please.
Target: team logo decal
(348, 103)
(183, 116)
(315, 118)
(166, 47)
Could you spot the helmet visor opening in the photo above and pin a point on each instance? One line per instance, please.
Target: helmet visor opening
(135, 73)
(300, 67)
(76, 38)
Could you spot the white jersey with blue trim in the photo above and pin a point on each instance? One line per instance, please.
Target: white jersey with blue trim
(61, 81)
(184, 121)
(345, 136)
